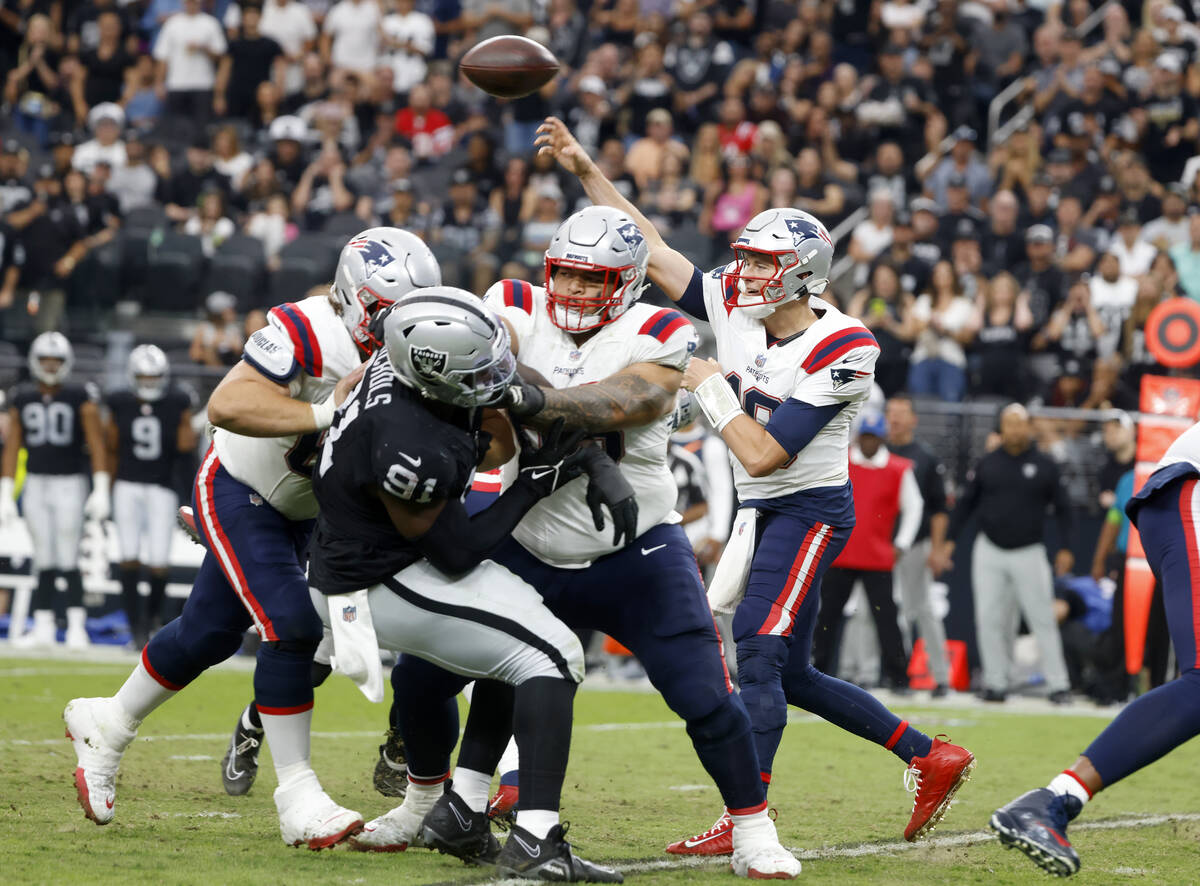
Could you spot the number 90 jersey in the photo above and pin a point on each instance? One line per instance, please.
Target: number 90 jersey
(305, 347)
(559, 529)
(51, 429)
(830, 363)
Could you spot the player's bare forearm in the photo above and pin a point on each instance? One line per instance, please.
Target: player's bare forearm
(12, 445)
(93, 433)
(247, 403)
(185, 436)
(629, 399)
(759, 452)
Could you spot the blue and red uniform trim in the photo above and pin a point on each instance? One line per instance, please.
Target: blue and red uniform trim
(518, 294)
(663, 324)
(305, 346)
(836, 346)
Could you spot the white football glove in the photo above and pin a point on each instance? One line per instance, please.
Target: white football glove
(8, 505)
(98, 504)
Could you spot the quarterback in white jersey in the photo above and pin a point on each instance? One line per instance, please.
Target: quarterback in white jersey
(255, 518)
(792, 372)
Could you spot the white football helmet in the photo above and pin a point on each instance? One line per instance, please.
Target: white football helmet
(608, 244)
(149, 370)
(797, 247)
(51, 346)
(445, 343)
(375, 269)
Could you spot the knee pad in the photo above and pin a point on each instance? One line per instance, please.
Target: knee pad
(725, 720)
(761, 660)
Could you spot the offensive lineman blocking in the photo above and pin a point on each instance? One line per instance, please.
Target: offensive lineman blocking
(798, 371)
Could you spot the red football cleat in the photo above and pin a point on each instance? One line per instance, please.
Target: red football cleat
(935, 778)
(717, 840)
(186, 518)
(502, 805)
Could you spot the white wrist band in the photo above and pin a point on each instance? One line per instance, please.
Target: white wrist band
(323, 413)
(101, 480)
(718, 402)
(7, 486)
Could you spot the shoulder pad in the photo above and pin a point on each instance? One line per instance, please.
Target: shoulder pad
(836, 345)
(269, 350)
(663, 324)
(511, 294)
(305, 346)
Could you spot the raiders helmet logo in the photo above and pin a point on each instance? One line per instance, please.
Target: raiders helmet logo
(428, 362)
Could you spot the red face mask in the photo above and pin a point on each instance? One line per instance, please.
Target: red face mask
(581, 313)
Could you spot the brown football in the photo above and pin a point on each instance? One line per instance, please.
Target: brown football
(509, 66)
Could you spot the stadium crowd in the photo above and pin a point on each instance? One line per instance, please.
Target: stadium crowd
(220, 129)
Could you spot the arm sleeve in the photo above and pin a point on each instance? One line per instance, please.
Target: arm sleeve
(457, 543)
(966, 505)
(796, 423)
(911, 504)
(935, 495)
(692, 299)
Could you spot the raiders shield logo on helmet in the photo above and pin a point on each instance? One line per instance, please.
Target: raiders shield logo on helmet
(428, 362)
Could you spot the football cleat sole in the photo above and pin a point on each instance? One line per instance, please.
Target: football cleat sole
(1011, 838)
(330, 840)
(964, 776)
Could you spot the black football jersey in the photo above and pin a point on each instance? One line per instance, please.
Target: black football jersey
(148, 434)
(385, 438)
(51, 428)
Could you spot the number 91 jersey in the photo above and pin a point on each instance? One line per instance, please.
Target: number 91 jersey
(559, 529)
(148, 434)
(305, 348)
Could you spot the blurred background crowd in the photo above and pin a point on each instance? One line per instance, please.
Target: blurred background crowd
(1012, 184)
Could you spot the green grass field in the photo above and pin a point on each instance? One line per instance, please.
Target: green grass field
(634, 785)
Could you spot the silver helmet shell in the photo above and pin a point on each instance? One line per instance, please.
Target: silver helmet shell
(604, 242)
(149, 372)
(444, 343)
(51, 346)
(375, 270)
(800, 251)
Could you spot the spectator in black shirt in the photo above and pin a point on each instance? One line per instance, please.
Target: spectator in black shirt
(1002, 244)
(250, 59)
(699, 65)
(34, 83)
(180, 193)
(12, 257)
(464, 226)
(104, 64)
(323, 190)
(1010, 489)
(913, 573)
(1039, 275)
(1169, 122)
(914, 271)
(1120, 444)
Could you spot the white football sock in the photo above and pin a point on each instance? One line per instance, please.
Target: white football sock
(537, 821)
(288, 738)
(473, 786)
(509, 761)
(1067, 782)
(140, 694)
(421, 795)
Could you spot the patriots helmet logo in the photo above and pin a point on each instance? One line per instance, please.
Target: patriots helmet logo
(802, 229)
(843, 375)
(631, 235)
(374, 254)
(349, 614)
(428, 362)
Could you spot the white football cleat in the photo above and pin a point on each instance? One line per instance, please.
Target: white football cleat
(77, 636)
(309, 817)
(43, 633)
(100, 736)
(758, 854)
(393, 831)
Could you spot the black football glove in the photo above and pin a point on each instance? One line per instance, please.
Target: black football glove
(556, 461)
(522, 399)
(607, 486)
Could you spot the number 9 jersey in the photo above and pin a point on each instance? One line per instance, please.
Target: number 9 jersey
(306, 348)
(559, 529)
(148, 434)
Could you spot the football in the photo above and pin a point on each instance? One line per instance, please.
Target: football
(509, 66)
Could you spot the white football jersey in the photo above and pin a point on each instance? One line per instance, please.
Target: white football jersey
(831, 362)
(306, 347)
(559, 529)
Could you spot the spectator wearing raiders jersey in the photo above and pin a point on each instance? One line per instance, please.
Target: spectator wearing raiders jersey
(148, 429)
(58, 423)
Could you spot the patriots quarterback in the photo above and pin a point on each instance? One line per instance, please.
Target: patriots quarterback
(58, 422)
(254, 507)
(1166, 513)
(148, 429)
(793, 372)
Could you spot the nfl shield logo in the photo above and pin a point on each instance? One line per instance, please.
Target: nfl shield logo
(575, 355)
(349, 614)
(760, 360)
(428, 362)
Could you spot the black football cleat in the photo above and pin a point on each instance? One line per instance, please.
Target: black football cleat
(1036, 823)
(239, 766)
(524, 855)
(391, 769)
(451, 827)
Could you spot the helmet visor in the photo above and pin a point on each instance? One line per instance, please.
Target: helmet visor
(484, 384)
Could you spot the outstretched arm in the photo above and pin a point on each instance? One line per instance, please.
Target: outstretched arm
(635, 396)
(671, 270)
